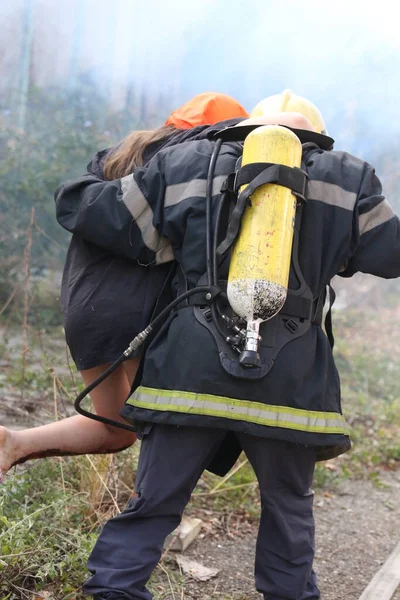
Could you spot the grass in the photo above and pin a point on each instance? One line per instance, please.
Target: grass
(41, 534)
(51, 512)
(368, 366)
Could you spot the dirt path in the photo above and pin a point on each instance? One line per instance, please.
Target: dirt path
(357, 528)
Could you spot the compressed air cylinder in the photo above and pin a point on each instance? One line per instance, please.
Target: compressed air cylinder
(260, 262)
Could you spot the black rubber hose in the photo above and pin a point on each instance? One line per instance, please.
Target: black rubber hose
(209, 196)
(211, 240)
(215, 309)
(215, 238)
(134, 345)
(89, 388)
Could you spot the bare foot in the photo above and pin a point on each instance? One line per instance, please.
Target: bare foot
(7, 451)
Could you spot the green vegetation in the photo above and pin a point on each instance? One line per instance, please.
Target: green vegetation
(51, 511)
(41, 535)
(63, 131)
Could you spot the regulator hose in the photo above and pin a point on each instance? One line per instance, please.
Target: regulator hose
(134, 345)
(211, 275)
(212, 270)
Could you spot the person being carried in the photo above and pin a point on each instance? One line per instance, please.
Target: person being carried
(285, 412)
(107, 299)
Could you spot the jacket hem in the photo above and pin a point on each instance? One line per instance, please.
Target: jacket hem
(326, 446)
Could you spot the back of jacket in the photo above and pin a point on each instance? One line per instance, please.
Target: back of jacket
(159, 214)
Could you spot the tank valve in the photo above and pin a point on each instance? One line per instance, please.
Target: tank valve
(249, 357)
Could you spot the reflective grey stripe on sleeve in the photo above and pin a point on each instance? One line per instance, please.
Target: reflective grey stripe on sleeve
(191, 189)
(239, 410)
(381, 213)
(143, 214)
(332, 194)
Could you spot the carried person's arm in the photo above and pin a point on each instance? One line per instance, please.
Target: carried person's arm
(123, 216)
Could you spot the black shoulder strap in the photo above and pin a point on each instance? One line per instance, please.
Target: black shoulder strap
(290, 177)
(256, 175)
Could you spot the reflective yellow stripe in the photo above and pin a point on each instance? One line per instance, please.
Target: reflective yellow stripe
(239, 410)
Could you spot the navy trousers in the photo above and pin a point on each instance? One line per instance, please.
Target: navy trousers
(172, 460)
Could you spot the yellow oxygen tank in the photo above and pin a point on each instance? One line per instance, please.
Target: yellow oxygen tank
(260, 262)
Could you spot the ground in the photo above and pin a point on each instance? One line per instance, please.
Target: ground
(51, 511)
(357, 528)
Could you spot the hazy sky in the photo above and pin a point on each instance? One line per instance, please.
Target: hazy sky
(344, 55)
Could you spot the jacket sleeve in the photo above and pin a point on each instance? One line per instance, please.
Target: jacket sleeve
(376, 232)
(124, 216)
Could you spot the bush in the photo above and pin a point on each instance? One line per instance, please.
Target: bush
(44, 538)
(63, 130)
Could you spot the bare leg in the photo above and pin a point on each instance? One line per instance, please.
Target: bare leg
(131, 367)
(75, 435)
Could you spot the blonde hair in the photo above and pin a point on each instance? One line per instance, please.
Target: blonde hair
(129, 153)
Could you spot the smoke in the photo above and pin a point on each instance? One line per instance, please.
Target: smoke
(345, 56)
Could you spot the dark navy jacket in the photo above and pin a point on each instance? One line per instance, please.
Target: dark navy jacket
(158, 215)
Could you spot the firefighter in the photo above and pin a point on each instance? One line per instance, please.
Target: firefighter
(284, 410)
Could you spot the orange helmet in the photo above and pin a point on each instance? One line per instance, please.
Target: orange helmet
(206, 109)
